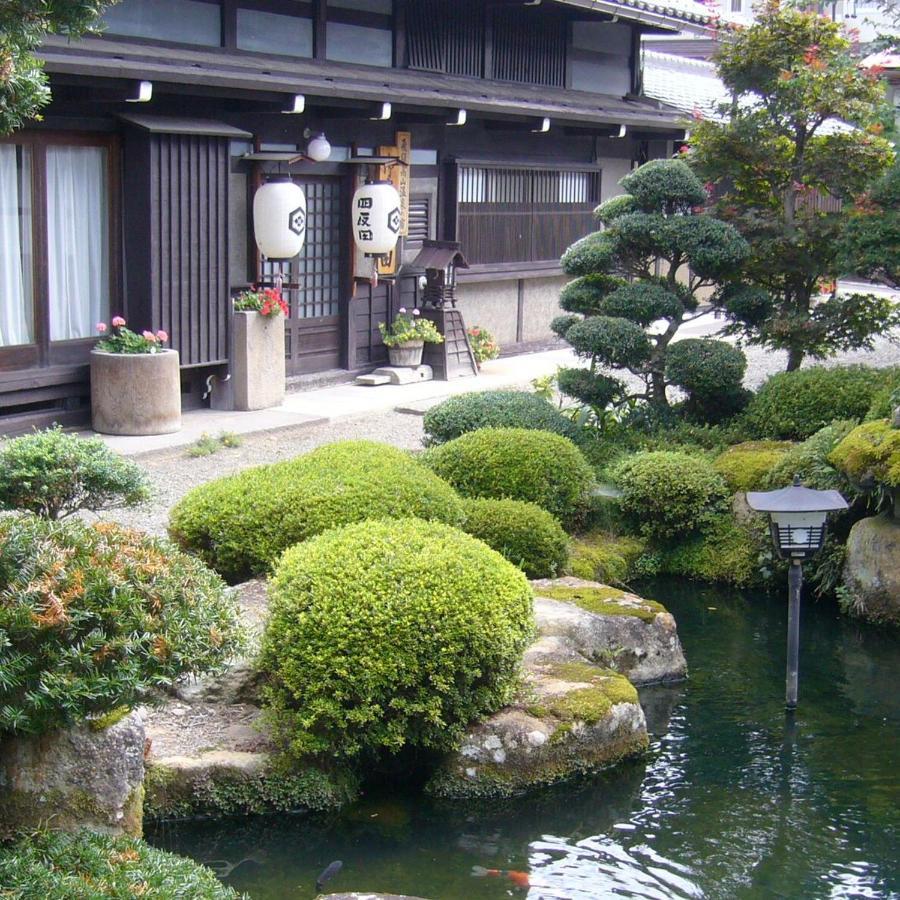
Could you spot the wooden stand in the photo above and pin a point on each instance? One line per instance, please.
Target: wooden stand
(453, 358)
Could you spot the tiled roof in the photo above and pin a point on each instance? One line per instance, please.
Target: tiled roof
(689, 84)
(683, 12)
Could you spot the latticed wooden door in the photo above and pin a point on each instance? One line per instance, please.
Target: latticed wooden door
(314, 285)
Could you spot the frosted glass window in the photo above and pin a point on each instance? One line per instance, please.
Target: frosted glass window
(268, 32)
(384, 7)
(358, 44)
(180, 21)
(16, 294)
(77, 240)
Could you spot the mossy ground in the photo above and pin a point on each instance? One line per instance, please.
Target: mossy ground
(603, 556)
(603, 690)
(745, 466)
(872, 449)
(604, 601)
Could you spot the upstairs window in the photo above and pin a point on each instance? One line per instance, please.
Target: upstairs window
(179, 21)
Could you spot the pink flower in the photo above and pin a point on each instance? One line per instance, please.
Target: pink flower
(117, 321)
(101, 327)
(416, 312)
(402, 309)
(162, 336)
(149, 336)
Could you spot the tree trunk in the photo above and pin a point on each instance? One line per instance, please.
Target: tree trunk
(795, 357)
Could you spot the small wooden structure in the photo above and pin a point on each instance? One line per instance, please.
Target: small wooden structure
(453, 358)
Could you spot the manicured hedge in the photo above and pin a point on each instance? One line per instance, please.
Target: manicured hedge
(795, 405)
(493, 409)
(809, 460)
(92, 618)
(391, 633)
(746, 466)
(518, 464)
(88, 866)
(669, 494)
(241, 524)
(528, 536)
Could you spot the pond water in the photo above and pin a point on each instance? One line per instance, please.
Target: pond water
(735, 800)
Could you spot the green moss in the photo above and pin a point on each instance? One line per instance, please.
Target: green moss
(600, 556)
(604, 601)
(745, 466)
(871, 450)
(592, 703)
(101, 723)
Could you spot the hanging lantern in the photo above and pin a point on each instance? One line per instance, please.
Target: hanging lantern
(318, 149)
(279, 218)
(376, 218)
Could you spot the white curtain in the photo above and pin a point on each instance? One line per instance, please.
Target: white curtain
(15, 246)
(77, 240)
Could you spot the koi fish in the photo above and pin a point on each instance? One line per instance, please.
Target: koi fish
(519, 879)
(328, 873)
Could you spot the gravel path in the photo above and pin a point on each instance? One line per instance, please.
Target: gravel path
(173, 473)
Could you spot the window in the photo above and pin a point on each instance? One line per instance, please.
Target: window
(56, 268)
(273, 32)
(515, 214)
(419, 221)
(736, 5)
(179, 21)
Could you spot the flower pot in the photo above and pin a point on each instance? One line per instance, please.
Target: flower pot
(135, 393)
(258, 370)
(408, 353)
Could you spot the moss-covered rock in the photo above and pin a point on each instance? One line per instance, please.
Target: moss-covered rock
(604, 557)
(225, 783)
(745, 466)
(871, 587)
(870, 452)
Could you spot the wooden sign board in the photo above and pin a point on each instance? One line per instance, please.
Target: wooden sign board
(399, 176)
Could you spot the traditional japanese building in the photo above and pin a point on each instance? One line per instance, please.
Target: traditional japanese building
(510, 122)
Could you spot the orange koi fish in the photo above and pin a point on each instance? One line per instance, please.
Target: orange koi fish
(519, 879)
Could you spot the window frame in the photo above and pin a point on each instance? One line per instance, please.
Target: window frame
(43, 352)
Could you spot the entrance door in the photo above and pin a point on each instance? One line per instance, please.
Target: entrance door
(314, 282)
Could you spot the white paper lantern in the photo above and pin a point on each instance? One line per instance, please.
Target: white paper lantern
(318, 149)
(376, 218)
(279, 218)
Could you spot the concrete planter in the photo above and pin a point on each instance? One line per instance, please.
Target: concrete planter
(406, 354)
(135, 393)
(258, 372)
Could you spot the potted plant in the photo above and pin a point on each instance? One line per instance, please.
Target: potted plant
(406, 337)
(483, 344)
(258, 366)
(135, 382)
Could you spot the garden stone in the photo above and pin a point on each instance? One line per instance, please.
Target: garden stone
(872, 569)
(82, 777)
(357, 896)
(635, 637)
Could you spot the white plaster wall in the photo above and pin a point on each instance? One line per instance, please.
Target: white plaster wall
(541, 307)
(613, 171)
(492, 305)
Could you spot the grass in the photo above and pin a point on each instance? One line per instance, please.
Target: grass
(207, 445)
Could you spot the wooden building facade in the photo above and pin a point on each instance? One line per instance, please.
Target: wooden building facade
(133, 195)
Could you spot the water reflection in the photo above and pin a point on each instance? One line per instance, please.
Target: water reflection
(734, 800)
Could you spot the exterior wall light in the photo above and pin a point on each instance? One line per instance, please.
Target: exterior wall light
(144, 93)
(797, 519)
(279, 218)
(318, 149)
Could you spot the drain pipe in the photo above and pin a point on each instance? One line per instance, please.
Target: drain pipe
(210, 385)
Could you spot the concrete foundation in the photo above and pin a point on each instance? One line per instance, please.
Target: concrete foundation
(258, 371)
(135, 393)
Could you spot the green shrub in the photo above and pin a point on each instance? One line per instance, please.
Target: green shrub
(795, 405)
(518, 464)
(241, 524)
(601, 556)
(711, 373)
(871, 451)
(54, 474)
(809, 460)
(88, 866)
(493, 409)
(886, 400)
(92, 618)
(528, 536)
(390, 633)
(745, 467)
(669, 493)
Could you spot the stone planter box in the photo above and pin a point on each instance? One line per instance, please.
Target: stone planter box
(135, 393)
(258, 371)
(406, 354)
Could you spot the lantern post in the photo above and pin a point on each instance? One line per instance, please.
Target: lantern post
(797, 520)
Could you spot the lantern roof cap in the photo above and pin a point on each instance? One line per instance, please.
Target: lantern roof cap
(439, 255)
(796, 498)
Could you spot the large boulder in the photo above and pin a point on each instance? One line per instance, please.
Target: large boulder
(83, 777)
(872, 570)
(604, 625)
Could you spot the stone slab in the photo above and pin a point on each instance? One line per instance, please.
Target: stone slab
(404, 374)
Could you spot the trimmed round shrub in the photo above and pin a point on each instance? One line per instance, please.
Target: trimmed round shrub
(528, 536)
(493, 409)
(391, 633)
(241, 524)
(89, 866)
(94, 617)
(745, 467)
(795, 405)
(711, 373)
(517, 464)
(54, 474)
(809, 460)
(666, 494)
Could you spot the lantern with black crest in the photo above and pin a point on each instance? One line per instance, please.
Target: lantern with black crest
(279, 218)
(377, 218)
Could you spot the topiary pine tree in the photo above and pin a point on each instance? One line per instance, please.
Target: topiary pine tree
(779, 160)
(657, 252)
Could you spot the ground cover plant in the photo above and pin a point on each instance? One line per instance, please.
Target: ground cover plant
(746, 466)
(391, 633)
(517, 464)
(241, 524)
(93, 618)
(88, 866)
(54, 474)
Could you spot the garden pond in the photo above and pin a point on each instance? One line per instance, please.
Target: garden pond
(734, 800)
